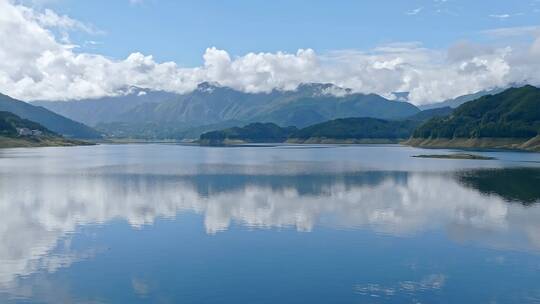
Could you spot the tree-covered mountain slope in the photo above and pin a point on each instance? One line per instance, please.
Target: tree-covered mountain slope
(338, 130)
(514, 113)
(253, 133)
(48, 119)
(356, 129)
(19, 132)
(10, 123)
(508, 119)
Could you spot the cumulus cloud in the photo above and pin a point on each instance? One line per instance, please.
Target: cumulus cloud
(36, 64)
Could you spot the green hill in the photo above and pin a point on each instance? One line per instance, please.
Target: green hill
(9, 123)
(510, 119)
(362, 129)
(254, 133)
(48, 119)
(426, 115)
(19, 132)
(344, 130)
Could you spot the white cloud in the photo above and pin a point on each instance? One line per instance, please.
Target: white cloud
(36, 64)
(505, 32)
(505, 16)
(415, 11)
(501, 16)
(49, 18)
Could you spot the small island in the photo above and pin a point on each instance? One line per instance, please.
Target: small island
(455, 156)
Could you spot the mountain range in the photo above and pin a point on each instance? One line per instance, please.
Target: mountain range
(141, 113)
(105, 109)
(155, 114)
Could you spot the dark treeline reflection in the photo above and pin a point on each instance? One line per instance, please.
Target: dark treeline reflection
(303, 184)
(520, 185)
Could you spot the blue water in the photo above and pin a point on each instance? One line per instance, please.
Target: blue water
(269, 224)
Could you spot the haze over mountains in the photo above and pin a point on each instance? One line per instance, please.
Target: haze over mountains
(456, 102)
(148, 114)
(105, 109)
(155, 112)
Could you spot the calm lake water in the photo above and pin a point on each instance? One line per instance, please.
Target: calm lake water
(283, 224)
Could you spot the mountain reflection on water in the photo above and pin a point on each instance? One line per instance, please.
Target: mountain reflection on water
(487, 207)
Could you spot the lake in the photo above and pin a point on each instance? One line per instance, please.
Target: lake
(158, 223)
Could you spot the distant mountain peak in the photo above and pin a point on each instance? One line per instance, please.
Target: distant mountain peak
(208, 87)
(132, 90)
(323, 89)
(401, 96)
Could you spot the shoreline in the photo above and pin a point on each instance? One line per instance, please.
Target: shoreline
(503, 144)
(348, 141)
(10, 142)
(518, 144)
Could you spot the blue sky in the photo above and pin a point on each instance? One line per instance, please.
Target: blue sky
(434, 49)
(181, 30)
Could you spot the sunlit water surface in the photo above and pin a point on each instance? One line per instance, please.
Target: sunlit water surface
(269, 224)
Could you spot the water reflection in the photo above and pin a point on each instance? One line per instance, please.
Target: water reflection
(521, 185)
(38, 212)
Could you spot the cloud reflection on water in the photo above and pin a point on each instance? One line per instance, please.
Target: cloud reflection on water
(38, 212)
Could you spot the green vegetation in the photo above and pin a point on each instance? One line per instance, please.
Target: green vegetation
(156, 115)
(515, 113)
(513, 184)
(510, 119)
(9, 123)
(345, 130)
(254, 133)
(431, 113)
(47, 141)
(52, 121)
(357, 128)
(35, 135)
